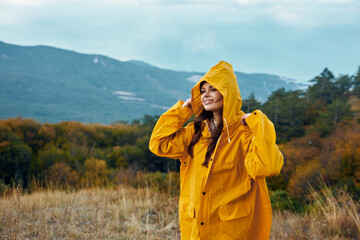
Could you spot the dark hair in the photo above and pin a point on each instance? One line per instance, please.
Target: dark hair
(197, 134)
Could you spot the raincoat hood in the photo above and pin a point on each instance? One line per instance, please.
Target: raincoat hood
(223, 78)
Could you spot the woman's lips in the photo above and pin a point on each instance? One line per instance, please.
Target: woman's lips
(206, 102)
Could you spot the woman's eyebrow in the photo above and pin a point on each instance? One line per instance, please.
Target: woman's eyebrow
(205, 88)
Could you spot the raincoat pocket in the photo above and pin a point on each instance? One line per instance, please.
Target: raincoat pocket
(186, 215)
(235, 220)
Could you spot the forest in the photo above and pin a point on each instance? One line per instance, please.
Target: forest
(318, 132)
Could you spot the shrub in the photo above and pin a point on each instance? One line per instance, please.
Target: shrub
(281, 201)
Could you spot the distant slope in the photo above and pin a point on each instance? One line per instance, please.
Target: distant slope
(354, 102)
(52, 85)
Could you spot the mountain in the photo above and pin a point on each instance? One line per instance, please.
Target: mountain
(52, 85)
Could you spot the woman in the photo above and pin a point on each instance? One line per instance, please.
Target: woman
(225, 156)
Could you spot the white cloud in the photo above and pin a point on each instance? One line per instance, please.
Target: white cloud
(289, 18)
(341, 2)
(305, 13)
(21, 3)
(194, 78)
(293, 2)
(8, 19)
(124, 93)
(27, 3)
(201, 42)
(159, 106)
(131, 98)
(132, 2)
(187, 34)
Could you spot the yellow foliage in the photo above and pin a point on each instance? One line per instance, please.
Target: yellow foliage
(306, 175)
(95, 171)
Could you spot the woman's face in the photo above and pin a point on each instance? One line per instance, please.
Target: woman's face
(211, 98)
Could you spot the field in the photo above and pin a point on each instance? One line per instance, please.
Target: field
(128, 213)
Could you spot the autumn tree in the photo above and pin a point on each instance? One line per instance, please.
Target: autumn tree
(95, 172)
(341, 154)
(307, 177)
(61, 174)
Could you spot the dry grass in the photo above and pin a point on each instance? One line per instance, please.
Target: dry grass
(128, 213)
(329, 217)
(122, 213)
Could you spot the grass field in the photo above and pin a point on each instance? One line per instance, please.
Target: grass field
(128, 213)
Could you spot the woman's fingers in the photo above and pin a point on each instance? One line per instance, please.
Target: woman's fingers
(187, 103)
(243, 118)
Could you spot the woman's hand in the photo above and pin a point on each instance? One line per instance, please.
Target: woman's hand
(187, 103)
(244, 117)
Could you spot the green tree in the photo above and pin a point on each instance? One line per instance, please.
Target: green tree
(115, 158)
(334, 113)
(343, 85)
(15, 157)
(323, 88)
(286, 110)
(356, 82)
(47, 157)
(250, 104)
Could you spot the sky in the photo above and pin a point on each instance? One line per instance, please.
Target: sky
(292, 38)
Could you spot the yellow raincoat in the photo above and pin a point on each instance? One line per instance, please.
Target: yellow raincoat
(229, 198)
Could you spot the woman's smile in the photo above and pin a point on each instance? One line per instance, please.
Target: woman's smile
(207, 101)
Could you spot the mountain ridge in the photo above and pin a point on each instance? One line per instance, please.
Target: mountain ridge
(51, 84)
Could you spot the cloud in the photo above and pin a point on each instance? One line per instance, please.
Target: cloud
(124, 93)
(292, 2)
(189, 34)
(21, 3)
(305, 13)
(289, 18)
(201, 42)
(340, 2)
(8, 19)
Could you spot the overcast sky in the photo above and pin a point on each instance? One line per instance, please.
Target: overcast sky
(292, 38)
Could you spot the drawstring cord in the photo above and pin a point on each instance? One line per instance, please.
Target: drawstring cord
(207, 126)
(227, 130)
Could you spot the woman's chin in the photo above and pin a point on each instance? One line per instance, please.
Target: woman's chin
(210, 109)
(207, 108)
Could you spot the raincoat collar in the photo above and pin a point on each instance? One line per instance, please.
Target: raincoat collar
(223, 78)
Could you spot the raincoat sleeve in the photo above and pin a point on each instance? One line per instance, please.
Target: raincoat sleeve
(169, 138)
(263, 158)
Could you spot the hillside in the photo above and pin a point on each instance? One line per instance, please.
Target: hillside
(51, 85)
(354, 101)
